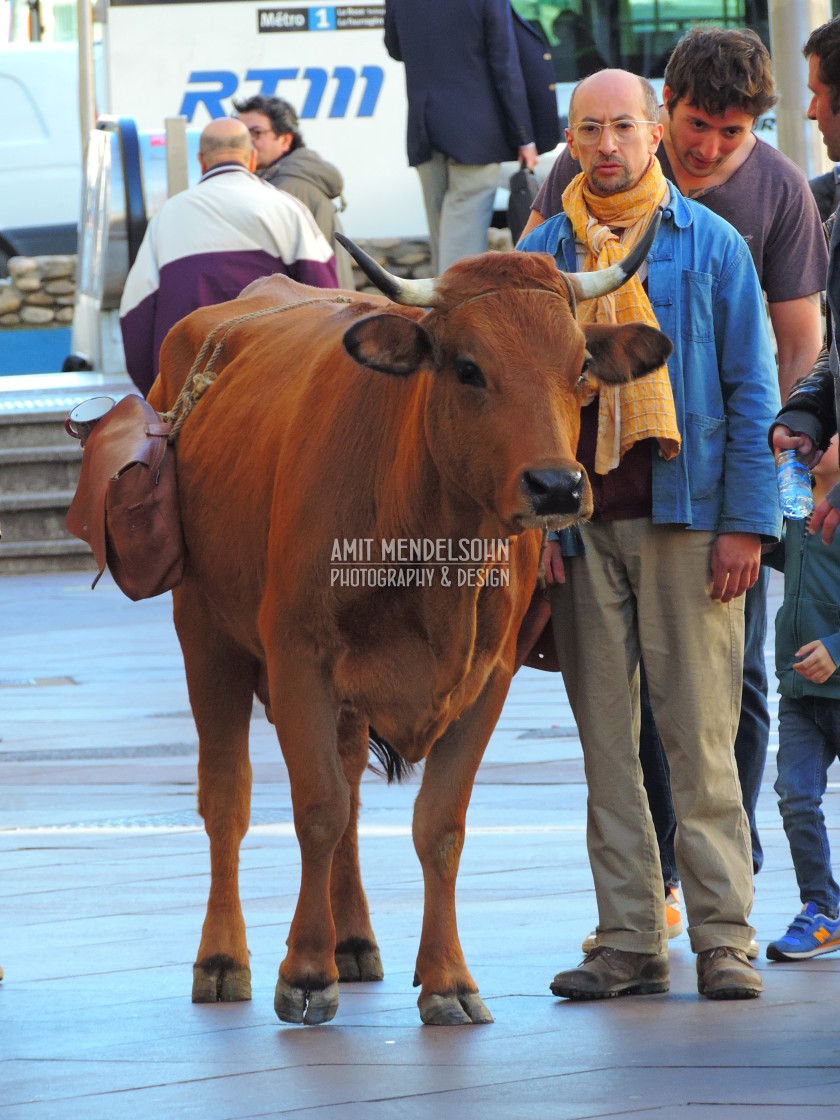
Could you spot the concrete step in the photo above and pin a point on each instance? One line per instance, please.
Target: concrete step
(31, 517)
(25, 557)
(35, 429)
(37, 470)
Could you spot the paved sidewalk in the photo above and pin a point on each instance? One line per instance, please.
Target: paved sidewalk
(104, 880)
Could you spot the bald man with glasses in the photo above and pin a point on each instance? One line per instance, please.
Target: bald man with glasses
(684, 488)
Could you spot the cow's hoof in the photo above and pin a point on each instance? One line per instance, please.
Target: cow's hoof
(220, 980)
(453, 1011)
(307, 1006)
(358, 960)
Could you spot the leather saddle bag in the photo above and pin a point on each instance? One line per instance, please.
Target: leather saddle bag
(126, 502)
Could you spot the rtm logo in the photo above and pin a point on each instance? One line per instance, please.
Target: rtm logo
(226, 84)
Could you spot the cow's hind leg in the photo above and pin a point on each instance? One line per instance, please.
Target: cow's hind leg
(449, 995)
(356, 952)
(221, 682)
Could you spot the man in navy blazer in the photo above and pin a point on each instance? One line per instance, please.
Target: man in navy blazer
(467, 112)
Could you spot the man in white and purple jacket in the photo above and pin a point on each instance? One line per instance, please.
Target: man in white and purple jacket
(209, 242)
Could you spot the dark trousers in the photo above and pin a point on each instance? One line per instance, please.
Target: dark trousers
(750, 742)
(809, 739)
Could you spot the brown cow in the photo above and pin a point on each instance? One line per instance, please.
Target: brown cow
(467, 431)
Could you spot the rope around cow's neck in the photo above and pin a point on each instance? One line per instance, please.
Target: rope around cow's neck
(197, 383)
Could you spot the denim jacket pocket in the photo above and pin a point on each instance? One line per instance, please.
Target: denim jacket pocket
(704, 448)
(698, 324)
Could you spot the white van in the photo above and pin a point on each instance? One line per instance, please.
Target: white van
(40, 149)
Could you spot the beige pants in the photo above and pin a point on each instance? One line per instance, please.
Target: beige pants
(643, 589)
(459, 207)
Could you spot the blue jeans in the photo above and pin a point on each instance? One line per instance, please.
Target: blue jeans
(750, 742)
(657, 778)
(809, 741)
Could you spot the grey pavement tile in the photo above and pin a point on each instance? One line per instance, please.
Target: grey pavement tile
(694, 1110)
(278, 1090)
(564, 1097)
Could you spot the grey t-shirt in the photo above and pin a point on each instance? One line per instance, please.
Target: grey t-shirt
(767, 199)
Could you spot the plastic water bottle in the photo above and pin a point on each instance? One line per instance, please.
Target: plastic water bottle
(794, 479)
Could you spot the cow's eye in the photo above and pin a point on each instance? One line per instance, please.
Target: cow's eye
(469, 373)
(583, 379)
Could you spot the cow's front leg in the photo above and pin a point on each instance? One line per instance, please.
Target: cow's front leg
(356, 952)
(221, 683)
(307, 985)
(449, 995)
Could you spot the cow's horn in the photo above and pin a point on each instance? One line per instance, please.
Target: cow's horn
(590, 285)
(414, 293)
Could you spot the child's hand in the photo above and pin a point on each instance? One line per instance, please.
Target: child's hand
(816, 664)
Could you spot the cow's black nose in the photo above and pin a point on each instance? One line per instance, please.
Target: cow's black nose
(553, 491)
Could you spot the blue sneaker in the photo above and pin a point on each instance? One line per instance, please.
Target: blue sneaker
(809, 935)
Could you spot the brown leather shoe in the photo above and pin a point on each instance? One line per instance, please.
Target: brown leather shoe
(725, 973)
(606, 972)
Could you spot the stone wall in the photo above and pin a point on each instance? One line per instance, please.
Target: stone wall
(40, 292)
(410, 259)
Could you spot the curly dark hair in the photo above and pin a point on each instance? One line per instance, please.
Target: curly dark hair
(825, 44)
(718, 69)
(281, 114)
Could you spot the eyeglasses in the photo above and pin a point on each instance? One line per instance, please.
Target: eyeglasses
(256, 133)
(624, 131)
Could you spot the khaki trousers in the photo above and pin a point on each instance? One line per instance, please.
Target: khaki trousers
(643, 589)
(459, 201)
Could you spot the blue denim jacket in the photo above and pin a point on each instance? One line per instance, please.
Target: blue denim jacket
(704, 291)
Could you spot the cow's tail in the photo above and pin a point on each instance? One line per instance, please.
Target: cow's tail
(391, 766)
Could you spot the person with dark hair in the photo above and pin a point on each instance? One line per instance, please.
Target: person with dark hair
(717, 70)
(717, 84)
(284, 161)
(811, 413)
(823, 53)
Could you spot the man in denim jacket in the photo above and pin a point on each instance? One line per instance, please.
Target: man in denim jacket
(673, 545)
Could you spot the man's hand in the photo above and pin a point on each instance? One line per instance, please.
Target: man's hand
(528, 156)
(736, 558)
(784, 439)
(824, 517)
(555, 571)
(816, 664)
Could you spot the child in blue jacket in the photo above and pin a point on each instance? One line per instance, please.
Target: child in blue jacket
(807, 656)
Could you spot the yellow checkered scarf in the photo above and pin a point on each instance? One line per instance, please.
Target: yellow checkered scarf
(644, 408)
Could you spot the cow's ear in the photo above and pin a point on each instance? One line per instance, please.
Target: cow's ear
(388, 343)
(622, 352)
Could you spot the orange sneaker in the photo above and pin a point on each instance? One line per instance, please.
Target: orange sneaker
(673, 914)
(673, 920)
